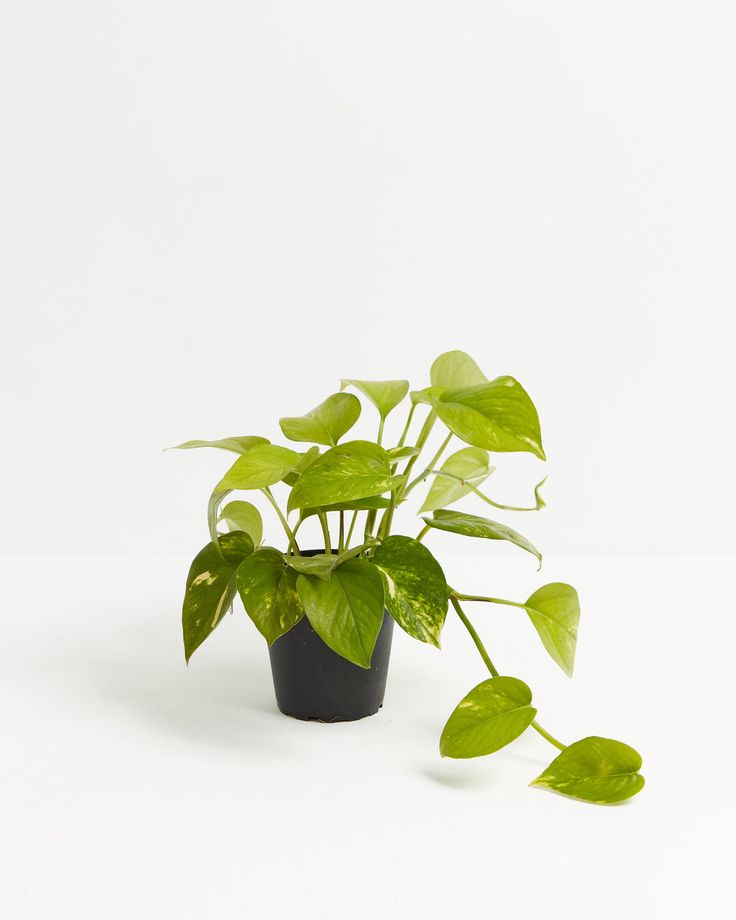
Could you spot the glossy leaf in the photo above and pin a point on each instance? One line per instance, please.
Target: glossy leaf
(401, 453)
(456, 369)
(304, 461)
(238, 444)
(598, 770)
(555, 612)
(415, 587)
(267, 587)
(320, 565)
(325, 424)
(346, 611)
(384, 394)
(497, 416)
(471, 464)
(261, 466)
(246, 517)
(471, 525)
(493, 714)
(356, 469)
(211, 587)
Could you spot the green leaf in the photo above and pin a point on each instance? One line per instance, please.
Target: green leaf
(327, 423)
(596, 770)
(267, 587)
(356, 469)
(261, 466)
(415, 587)
(498, 416)
(555, 612)
(246, 517)
(320, 565)
(211, 587)
(239, 444)
(346, 611)
(212, 505)
(306, 459)
(471, 464)
(488, 718)
(384, 394)
(401, 453)
(456, 369)
(374, 503)
(470, 525)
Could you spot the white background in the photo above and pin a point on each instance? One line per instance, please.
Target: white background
(209, 214)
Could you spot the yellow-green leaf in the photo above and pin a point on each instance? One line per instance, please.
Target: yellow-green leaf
(243, 516)
(267, 587)
(238, 444)
(384, 394)
(471, 465)
(456, 369)
(554, 610)
(471, 525)
(598, 770)
(263, 465)
(325, 424)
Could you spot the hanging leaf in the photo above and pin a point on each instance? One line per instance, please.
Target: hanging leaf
(211, 587)
(267, 587)
(470, 525)
(238, 445)
(261, 466)
(415, 587)
(327, 423)
(384, 394)
(471, 464)
(356, 469)
(493, 714)
(246, 517)
(598, 770)
(456, 369)
(346, 611)
(555, 612)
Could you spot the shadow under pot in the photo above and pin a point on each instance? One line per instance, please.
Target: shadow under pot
(314, 683)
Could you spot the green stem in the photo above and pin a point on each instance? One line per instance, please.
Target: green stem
(341, 540)
(356, 551)
(350, 528)
(430, 466)
(380, 430)
(463, 482)
(420, 536)
(397, 495)
(545, 734)
(488, 600)
(405, 432)
(325, 531)
(289, 532)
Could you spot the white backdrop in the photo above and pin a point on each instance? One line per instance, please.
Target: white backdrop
(209, 213)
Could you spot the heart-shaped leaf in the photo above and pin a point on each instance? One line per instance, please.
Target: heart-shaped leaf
(327, 423)
(263, 465)
(471, 465)
(320, 565)
(346, 611)
(356, 469)
(267, 587)
(384, 394)
(415, 587)
(238, 444)
(211, 587)
(594, 769)
(456, 369)
(471, 525)
(555, 612)
(498, 416)
(246, 517)
(488, 718)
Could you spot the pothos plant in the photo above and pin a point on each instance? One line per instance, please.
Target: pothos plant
(353, 488)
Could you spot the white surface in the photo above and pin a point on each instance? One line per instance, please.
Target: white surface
(133, 787)
(210, 212)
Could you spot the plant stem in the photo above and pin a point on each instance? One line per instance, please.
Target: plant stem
(326, 531)
(477, 491)
(420, 536)
(405, 432)
(430, 466)
(289, 532)
(487, 659)
(341, 541)
(380, 430)
(356, 551)
(488, 600)
(350, 528)
(396, 496)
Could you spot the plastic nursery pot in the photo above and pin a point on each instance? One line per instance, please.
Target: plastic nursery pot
(314, 683)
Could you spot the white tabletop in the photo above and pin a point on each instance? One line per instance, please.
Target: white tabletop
(133, 786)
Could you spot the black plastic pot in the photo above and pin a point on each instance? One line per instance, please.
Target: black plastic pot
(314, 683)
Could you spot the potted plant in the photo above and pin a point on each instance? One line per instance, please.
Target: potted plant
(327, 614)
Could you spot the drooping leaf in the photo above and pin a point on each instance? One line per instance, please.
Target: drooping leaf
(267, 587)
(320, 565)
(499, 416)
(598, 770)
(238, 444)
(456, 369)
(325, 424)
(384, 394)
(471, 464)
(356, 469)
(488, 718)
(261, 466)
(415, 587)
(211, 587)
(471, 525)
(401, 453)
(246, 517)
(373, 503)
(213, 504)
(306, 459)
(346, 611)
(554, 610)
